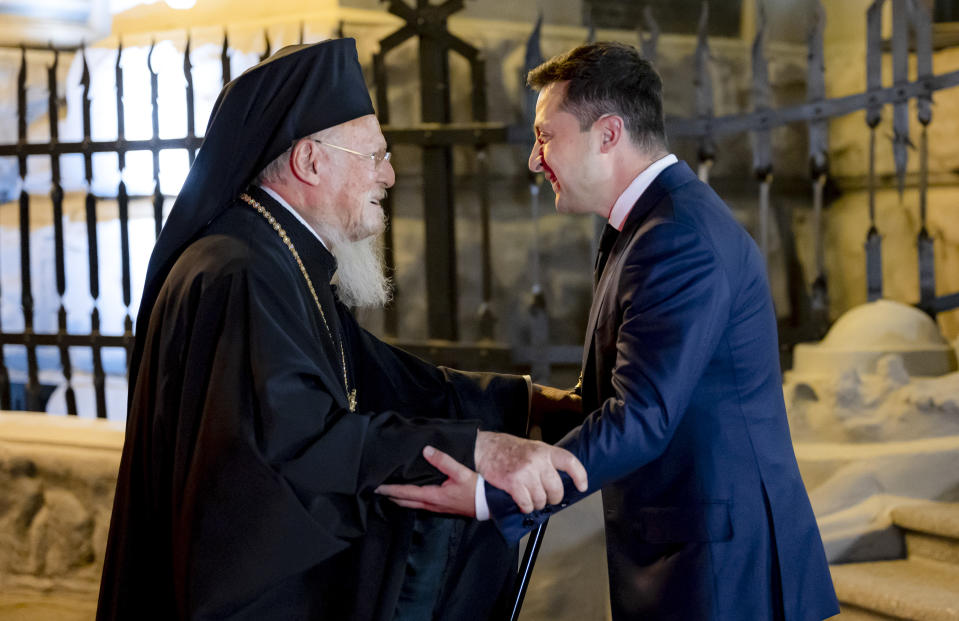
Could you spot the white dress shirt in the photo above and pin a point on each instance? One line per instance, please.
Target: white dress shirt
(624, 204)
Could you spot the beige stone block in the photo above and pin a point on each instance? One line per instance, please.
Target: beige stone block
(57, 479)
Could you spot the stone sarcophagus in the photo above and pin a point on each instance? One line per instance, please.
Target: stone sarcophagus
(57, 478)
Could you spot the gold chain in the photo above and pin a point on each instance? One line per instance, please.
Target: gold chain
(350, 394)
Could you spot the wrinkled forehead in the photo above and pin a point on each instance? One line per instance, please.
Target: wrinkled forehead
(364, 129)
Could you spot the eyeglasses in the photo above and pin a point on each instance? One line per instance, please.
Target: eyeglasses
(377, 158)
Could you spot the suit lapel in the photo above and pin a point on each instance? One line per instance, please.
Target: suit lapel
(664, 183)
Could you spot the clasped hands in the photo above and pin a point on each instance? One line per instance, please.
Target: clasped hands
(525, 469)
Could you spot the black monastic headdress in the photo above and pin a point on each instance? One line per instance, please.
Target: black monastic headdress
(296, 92)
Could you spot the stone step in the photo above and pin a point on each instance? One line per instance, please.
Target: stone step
(919, 588)
(931, 530)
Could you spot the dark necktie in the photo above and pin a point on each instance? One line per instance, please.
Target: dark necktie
(606, 241)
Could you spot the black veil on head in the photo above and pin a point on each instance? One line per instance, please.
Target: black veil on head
(296, 92)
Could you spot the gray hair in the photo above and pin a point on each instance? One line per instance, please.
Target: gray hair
(274, 171)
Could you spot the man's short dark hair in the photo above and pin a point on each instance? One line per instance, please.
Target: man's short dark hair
(609, 78)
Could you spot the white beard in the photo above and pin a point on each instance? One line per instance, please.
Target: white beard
(360, 278)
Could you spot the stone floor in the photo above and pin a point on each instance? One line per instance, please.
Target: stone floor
(32, 606)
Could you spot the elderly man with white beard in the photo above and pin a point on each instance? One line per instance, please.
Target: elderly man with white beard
(262, 417)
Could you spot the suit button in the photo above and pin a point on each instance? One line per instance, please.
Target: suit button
(528, 521)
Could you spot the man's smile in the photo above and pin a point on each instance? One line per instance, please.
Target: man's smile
(550, 175)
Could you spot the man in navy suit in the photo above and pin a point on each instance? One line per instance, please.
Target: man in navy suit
(685, 428)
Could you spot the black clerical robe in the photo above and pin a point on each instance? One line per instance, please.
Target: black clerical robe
(245, 489)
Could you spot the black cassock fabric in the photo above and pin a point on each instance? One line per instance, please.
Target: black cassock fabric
(246, 486)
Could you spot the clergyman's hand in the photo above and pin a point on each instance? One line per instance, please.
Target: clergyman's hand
(457, 495)
(526, 469)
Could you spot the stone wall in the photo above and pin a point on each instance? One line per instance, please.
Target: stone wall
(897, 217)
(57, 478)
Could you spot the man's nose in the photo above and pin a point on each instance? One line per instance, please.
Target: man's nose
(386, 174)
(534, 162)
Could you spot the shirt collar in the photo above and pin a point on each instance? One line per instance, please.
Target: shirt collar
(295, 213)
(624, 204)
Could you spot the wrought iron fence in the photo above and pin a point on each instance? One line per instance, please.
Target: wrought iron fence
(436, 135)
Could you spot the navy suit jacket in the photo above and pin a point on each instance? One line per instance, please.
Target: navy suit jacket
(706, 515)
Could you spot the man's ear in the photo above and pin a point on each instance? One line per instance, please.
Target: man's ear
(612, 131)
(303, 162)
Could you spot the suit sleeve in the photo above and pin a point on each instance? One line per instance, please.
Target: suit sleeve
(672, 299)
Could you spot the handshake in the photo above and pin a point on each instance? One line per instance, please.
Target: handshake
(528, 470)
